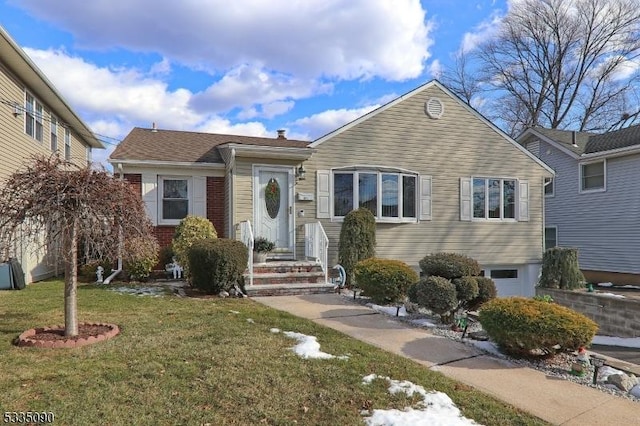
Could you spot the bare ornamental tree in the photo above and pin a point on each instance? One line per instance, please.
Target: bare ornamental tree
(53, 203)
(567, 64)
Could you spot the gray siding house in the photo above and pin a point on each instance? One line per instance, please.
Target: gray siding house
(437, 176)
(592, 203)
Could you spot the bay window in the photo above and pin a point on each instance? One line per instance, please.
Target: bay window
(390, 196)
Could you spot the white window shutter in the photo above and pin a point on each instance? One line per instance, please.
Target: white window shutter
(523, 201)
(199, 199)
(465, 199)
(323, 194)
(150, 196)
(425, 197)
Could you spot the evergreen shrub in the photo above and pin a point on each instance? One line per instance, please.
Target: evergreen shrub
(527, 327)
(437, 294)
(449, 265)
(560, 269)
(140, 256)
(385, 281)
(190, 230)
(217, 264)
(486, 291)
(357, 240)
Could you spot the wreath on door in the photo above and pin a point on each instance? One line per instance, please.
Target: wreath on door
(272, 198)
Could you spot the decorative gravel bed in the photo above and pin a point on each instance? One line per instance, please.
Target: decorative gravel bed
(558, 366)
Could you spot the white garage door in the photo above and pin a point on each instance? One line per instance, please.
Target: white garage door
(509, 280)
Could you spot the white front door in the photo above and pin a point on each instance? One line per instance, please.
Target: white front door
(273, 207)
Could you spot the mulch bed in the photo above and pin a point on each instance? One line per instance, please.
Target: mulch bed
(53, 337)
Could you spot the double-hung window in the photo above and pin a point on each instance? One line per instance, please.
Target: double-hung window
(390, 196)
(174, 192)
(593, 176)
(67, 144)
(494, 198)
(54, 134)
(34, 112)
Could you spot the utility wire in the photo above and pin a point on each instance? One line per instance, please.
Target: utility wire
(17, 107)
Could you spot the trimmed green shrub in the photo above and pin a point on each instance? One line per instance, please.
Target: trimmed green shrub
(357, 240)
(449, 265)
(383, 280)
(190, 230)
(560, 269)
(528, 327)
(263, 245)
(466, 290)
(486, 291)
(437, 294)
(217, 264)
(140, 256)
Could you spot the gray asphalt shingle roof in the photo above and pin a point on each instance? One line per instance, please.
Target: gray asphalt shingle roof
(589, 143)
(181, 146)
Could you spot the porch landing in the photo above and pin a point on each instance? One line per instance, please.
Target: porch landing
(279, 278)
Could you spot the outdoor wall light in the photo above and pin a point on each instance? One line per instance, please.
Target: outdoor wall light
(597, 362)
(301, 172)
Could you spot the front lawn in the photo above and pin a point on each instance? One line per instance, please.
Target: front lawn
(195, 361)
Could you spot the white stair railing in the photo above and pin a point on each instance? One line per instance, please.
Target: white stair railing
(246, 236)
(316, 246)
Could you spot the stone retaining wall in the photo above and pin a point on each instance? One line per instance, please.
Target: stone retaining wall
(615, 316)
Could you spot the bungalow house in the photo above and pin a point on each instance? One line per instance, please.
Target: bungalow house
(436, 175)
(588, 204)
(35, 119)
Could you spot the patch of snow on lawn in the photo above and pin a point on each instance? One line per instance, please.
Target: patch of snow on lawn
(250, 320)
(234, 312)
(274, 330)
(140, 291)
(308, 347)
(605, 284)
(436, 408)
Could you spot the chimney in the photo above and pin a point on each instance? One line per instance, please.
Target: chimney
(154, 129)
(573, 139)
(281, 134)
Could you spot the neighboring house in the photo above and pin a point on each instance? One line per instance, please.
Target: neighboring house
(592, 202)
(35, 119)
(435, 173)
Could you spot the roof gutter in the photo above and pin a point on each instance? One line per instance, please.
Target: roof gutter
(174, 164)
(279, 152)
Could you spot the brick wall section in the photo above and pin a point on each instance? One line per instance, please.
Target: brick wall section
(164, 234)
(135, 180)
(614, 316)
(215, 204)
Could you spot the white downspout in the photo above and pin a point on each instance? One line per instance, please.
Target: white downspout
(115, 272)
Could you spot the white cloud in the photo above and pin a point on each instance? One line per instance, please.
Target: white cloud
(436, 69)
(322, 123)
(310, 39)
(484, 31)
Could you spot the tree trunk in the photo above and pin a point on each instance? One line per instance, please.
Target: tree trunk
(71, 281)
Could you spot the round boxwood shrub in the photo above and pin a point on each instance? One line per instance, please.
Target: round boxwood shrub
(190, 230)
(528, 327)
(486, 291)
(449, 265)
(384, 280)
(217, 264)
(357, 240)
(437, 294)
(466, 290)
(140, 256)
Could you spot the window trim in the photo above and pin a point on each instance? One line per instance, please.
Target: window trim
(378, 171)
(549, 182)
(544, 242)
(516, 199)
(581, 189)
(67, 144)
(53, 131)
(161, 179)
(33, 112)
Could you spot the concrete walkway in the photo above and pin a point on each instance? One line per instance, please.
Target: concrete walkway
(557, 401)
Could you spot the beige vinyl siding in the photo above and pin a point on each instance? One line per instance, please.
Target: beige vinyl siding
(457, 145)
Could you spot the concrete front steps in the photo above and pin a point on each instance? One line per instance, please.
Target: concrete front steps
(279, 278)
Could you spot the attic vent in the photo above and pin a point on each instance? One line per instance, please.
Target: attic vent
(434, 108)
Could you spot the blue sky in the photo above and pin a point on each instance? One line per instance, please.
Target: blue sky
(245, 67)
